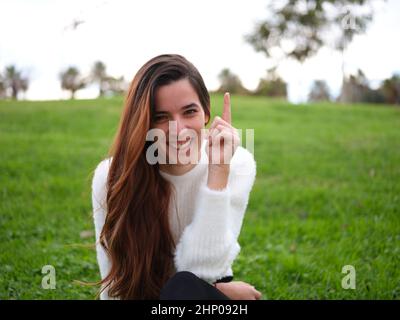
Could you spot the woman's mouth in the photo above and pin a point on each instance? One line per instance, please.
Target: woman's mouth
(180, 145)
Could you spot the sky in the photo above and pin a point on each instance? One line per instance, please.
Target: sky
(37, 36)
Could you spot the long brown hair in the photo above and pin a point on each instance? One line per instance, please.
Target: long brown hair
(136, 234)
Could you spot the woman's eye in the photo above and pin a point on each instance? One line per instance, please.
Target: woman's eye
(191, 111)
(160, 118)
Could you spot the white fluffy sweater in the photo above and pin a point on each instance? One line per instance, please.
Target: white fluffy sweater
(205, 223)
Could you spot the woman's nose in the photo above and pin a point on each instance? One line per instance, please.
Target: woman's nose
(177, 126)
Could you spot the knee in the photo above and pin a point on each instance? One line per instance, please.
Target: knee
(183, 276)
(178, 286)
(180, 280)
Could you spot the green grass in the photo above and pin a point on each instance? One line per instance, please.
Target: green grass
(327, 194)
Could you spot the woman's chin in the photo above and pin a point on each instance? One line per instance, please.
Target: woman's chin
(182, 156)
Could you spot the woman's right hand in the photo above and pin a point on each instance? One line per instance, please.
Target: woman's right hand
(238, 290)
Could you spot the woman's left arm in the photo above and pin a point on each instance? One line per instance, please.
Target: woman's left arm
(209, 245)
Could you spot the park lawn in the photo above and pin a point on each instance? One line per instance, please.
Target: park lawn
(327, 194)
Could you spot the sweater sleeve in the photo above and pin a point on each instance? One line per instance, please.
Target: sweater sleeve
(99, 215)
(209, 244)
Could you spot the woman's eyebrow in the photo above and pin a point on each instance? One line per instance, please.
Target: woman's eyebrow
(190, 105)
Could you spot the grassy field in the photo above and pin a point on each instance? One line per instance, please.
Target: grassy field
(327, 194)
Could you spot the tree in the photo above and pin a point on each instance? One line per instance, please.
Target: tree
(99, 76)
(24, 85)
(272, 85)
(390, 89)
(319, 91)
(230, 82)
(299, 28)
(71, 80)
(356, 88)
(14, 80)
(115, 86)
(2, 87)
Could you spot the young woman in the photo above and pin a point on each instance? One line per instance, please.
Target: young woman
(169, 230)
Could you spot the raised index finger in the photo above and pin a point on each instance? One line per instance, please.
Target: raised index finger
(226, 114)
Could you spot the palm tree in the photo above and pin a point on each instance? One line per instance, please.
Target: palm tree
(71, 80)
(15, 81)
(99, 75)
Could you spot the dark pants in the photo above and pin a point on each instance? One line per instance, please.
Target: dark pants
(185, 285)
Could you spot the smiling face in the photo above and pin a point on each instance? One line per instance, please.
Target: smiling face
(179, 102)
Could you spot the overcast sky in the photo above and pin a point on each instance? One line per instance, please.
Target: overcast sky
(37, 36)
